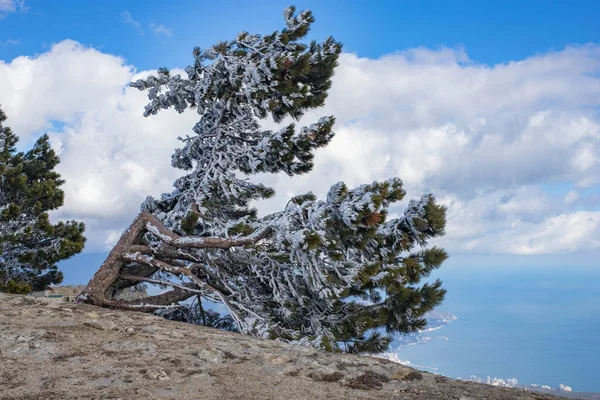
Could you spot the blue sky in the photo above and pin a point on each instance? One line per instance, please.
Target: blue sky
(492, 32)
(492, 106)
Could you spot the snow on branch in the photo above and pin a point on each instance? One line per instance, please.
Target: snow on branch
(318, 271)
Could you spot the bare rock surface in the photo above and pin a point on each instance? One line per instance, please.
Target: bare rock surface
(53, 350)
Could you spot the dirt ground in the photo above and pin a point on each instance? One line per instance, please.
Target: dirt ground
(56, 350)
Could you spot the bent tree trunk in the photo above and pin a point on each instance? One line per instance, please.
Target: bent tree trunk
(131, 262)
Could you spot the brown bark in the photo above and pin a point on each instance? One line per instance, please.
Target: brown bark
(130, 262)
(138, 270)
(98, 290)
(165, 299)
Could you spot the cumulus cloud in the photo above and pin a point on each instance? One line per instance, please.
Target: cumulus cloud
(487, 140)
(531, 222)
(60, 86)
(461, 126)
(111, 156)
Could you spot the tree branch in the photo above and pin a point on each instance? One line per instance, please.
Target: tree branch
(161, 251)
(161, 282)
(106, 281)
(156, 227)
(226, 291)
(149, 260)
(168, 298)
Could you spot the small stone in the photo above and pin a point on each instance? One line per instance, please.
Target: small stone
(367, 381)
(163, 376)
(203, 378)
(278, 359)
(413, 376)
(212, 355)
(22, 339)
(130, 330)
(144, 392)
(159, 374)
(104, 325)
(400, 374)
(326, 377)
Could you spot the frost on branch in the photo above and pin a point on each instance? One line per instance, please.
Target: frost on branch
(334, 273)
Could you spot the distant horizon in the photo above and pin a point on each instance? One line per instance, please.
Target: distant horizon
(80, 268)
(539, 329)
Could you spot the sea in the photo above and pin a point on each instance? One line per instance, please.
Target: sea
(516, 324)
(513, 326)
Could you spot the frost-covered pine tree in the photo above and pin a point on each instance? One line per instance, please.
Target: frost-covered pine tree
(337, 272)
(30, 245)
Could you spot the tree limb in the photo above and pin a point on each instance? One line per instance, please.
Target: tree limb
(115, 274)
(156, 227)
(161, 251)
(184, 286)
(100, 288)
(137, 257)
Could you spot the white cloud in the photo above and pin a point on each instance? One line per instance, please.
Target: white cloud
(112, 238)
(559, 234)
(8, 6)
(127, 19)
(460, 127)
(572, 196)
(485, 139)
(521, 221)
(111, 156)
(61, 86)
(161, 30)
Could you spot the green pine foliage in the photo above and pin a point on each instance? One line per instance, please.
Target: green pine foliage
(30, 245)
(337, 273)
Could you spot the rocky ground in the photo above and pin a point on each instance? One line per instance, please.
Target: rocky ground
(55, 350)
